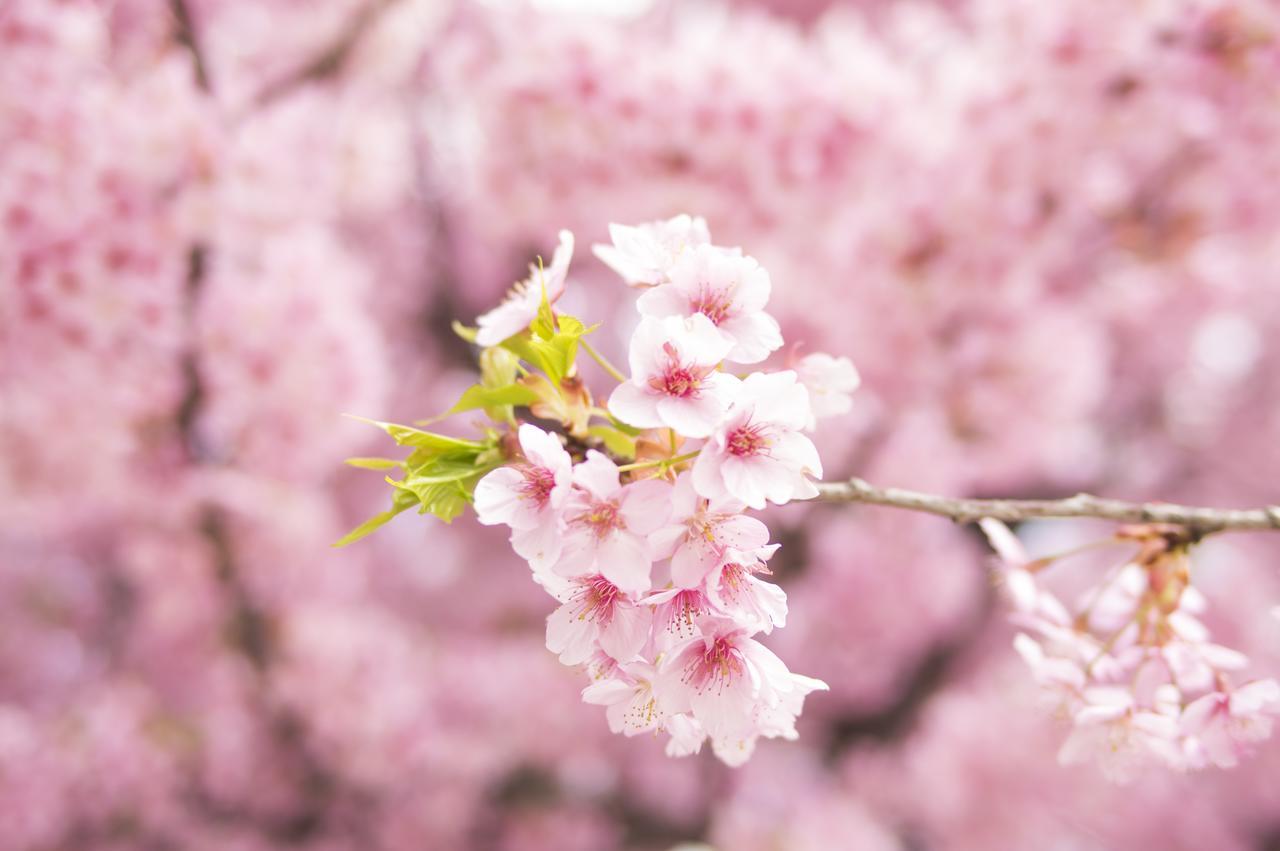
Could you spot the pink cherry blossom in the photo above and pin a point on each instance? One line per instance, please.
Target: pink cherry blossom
(628, 695)
(674, 378)
(830, 381)
(677, 613)
(727, 287)
(608, 524)
(735, 590)
(643, 255)
(687, 735)
(1122, 737)
(529, 496)
(520, 307)
(758, 453)
(1225, 723)
(595, 613)
(701, 531)
(735, 687)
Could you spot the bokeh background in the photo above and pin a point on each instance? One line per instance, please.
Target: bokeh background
(1048, 233)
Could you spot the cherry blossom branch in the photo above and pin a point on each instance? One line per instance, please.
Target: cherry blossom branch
(1201, 521)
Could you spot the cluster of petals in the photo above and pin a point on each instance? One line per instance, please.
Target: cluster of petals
(1133, 666)
(658, 569)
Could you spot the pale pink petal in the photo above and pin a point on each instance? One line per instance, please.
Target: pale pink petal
(539, 545)
(646, 505)
(628, 631)
(693, 416)
(597, 474)
(625, 561)
(638, 406)
(691, 564)
(755, 336)
(664, 541)
(607, 692)
(570, 635)
(708, 473)
(754, 480)
(497, 496)
(542, 448)
(663, 301)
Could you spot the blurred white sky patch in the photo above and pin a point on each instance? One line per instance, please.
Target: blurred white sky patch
(603, 8)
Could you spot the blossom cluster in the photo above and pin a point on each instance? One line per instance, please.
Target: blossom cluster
(1133, 665)
(655, 563)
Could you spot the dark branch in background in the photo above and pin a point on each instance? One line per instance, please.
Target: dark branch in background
(186, 36)
(1199, 521)
(248, 626)
(330, 61)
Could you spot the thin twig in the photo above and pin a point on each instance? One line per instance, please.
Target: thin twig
(1202, 521)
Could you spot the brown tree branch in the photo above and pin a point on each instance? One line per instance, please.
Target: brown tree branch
(1201, 521)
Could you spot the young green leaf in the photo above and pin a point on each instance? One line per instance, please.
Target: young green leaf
(401, 501)
(374, 463)
(619, 444)
(437, 443)
(477, 396)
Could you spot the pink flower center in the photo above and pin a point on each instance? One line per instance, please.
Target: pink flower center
(603, 518)
(717, 668)
(683, 610)
(712, 303)
(678, 380)
(596, 600)
(537, 485)
(748, 440)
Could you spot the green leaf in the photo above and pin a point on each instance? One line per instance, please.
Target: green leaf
(492, 397)
(374, 463)
(437, 443)
(498, 367)
(444, 493)
(544, 324)
(402, 501)
(552, 345)
(437, 471)
(618, 443)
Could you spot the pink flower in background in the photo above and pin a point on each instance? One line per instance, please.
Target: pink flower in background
(758, 453)
(596, 614)
(701, 531)
(674, 381)
(520, 307)
(529, 496)
(608, 524)
(1113, 731)
(1224, 724)
(735, 687)
(643, 255)
(830, 382)
(734, 588)
(727, 287)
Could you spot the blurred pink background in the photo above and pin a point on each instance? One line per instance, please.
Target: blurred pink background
(1045, 232)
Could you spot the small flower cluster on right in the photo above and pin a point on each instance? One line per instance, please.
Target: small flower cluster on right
(1133, 665)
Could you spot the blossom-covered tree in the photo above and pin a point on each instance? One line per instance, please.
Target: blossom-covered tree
(1044, 233)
